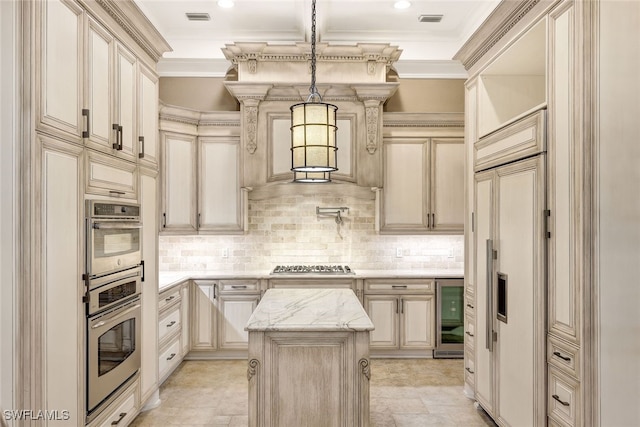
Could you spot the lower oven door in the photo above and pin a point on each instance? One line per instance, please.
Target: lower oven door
(113, 355)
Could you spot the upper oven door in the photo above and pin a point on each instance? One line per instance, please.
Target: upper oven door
(112, 246)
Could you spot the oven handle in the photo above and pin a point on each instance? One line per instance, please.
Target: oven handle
(111, 225)
(116, 315)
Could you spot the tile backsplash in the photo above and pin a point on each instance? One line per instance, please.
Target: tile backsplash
(286, 230)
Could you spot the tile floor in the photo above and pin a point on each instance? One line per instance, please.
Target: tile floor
(403, 393)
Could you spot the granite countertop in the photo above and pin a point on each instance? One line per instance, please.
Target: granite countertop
(170, 278)
(309, 310)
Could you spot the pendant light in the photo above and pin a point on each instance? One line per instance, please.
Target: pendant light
(313, 129)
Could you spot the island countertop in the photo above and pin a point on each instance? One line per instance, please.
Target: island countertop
(309, 310)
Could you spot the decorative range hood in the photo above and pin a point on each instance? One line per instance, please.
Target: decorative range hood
(272, 77)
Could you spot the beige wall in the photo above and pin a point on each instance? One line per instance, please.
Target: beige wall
(413, 95)
(197, 93)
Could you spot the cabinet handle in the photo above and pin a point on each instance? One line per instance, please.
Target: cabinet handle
(401, 306)
(556, 397)
(116, 144)
(120, 138)
(566, 359)
(397, 308)
(469, 333)
(428, 221)
(170, 298)
(470, 306)
(172, 356)
(399, 286)
(198, 222)
(141, 153)
(121, 417)
(85, 113)
(470, 371)
(239, 286)
(173, 322)
(433, 220)
(164, 220)
(116, 192)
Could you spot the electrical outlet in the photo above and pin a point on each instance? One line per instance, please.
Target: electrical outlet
(225, 253)
(398, 252)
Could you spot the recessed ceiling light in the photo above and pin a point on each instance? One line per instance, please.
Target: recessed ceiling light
(402, 4)
(226, 4)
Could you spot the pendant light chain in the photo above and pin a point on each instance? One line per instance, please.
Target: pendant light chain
(312, 89)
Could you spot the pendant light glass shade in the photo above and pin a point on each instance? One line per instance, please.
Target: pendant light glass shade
(313, 137)
(313, 129)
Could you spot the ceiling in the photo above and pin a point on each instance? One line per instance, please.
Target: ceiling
(427, 47)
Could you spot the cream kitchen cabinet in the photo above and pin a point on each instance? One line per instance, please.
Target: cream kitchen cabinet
(423, 188)
(236, 302)
(173, 306)
(220, 310)
(94, 89)
(109, 176)
(122, 411)
(402, 312)
(202, 190)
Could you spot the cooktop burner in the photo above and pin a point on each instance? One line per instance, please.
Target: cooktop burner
(312, 269)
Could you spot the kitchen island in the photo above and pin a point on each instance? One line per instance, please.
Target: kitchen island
(309, 359)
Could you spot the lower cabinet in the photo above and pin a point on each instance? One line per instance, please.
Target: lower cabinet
(122, 411)
(173, 305)
(219, 312)
(402, 312)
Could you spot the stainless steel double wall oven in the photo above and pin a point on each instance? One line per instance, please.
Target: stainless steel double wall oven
(114, 272)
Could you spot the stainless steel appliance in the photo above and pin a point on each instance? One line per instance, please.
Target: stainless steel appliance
(449, 319)
(312, 269)
(113, 236)
(113, 279)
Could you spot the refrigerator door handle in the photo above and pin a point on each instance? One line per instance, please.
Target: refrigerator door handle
(489, 317)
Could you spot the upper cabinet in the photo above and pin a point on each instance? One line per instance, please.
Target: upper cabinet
(423, 168)
(97, 87)
(514, 84)
(201, 170)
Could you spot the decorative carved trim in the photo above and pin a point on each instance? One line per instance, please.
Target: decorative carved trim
(365, 368)
(123, 14)
(372, 114)
(251, 126)
(253, 66)
(371, 67)
(254, 365)
(494, 28)
(433, 124)
(423, 120)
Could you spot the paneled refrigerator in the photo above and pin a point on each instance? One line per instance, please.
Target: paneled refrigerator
(510, 249)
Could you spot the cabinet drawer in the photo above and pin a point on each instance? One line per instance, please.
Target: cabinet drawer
(122, 411)
(239, 285)
(169, 358)
(108, 176)
(470, 332)
(469, 368)
(169, 322)
(563, 397)
(386, 286)
(563, 356)
(169, 298)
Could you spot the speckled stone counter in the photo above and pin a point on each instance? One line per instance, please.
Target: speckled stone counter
(309, 359)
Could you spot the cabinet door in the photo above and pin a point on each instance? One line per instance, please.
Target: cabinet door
(383, 311)
(235, 311)
(406, 180)
(109, 176)
(147, 135)
(99, 96)
(186, 306)
(60, 65)
(203, 315)
(416, 322)
(219, 196)
(447, 184)
(149, 301)
(125, 103)
(179, 183)
(519, 291)
(484, 195)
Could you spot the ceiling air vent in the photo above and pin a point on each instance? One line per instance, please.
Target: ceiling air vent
(429, 18)
(194, 16)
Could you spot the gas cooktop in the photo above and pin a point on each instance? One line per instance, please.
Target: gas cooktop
(312, 269)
